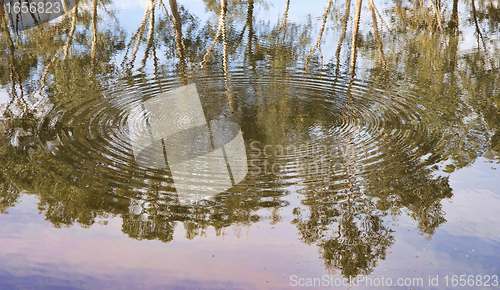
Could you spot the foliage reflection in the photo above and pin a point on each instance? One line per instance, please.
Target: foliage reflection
(57, 70)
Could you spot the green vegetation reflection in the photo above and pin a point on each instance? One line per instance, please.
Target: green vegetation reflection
(407, 83)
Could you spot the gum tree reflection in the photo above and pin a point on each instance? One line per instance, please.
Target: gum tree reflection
(344, 208)
(347, 227)
(58, 82)
(459, 84)
(347, 210)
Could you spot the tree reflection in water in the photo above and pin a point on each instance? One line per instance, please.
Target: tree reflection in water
(50, 145)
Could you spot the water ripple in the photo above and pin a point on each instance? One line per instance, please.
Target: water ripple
(310, 128)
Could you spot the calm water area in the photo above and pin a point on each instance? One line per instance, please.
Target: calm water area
(250, 144)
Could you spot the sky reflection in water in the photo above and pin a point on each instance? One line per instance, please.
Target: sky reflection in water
(393, 172)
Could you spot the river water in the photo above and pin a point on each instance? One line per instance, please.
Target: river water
(146, 150)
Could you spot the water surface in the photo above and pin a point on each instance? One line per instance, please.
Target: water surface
(378, 160)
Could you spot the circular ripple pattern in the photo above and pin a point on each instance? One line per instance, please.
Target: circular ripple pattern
(299, 128)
